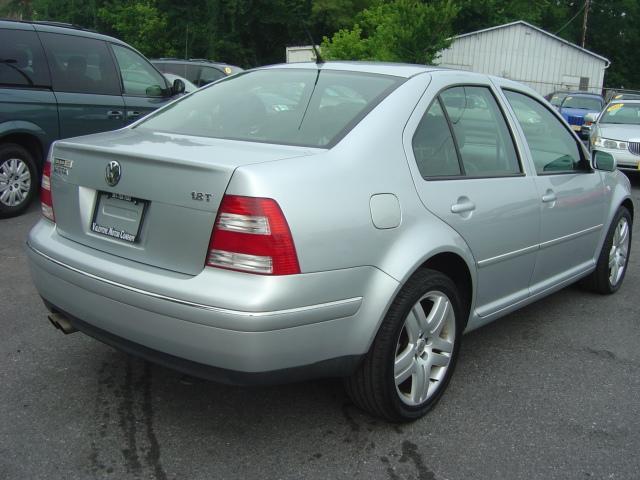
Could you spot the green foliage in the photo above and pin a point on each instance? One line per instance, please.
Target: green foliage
(614, 33)
(251, 32)
(397, 31)
(77, 12)
(329, 16)
(138, 23)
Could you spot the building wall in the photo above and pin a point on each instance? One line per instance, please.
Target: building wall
(526, 55)
(303, 53)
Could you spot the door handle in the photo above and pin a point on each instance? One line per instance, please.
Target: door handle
(464, 206)
(114, 114)
(549, 197)
(133, 114)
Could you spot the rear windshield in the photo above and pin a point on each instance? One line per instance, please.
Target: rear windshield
(313, 108)
(582, 103)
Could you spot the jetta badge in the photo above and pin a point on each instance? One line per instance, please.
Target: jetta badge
(113, 173)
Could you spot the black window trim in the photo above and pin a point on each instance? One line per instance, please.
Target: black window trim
(581, 149)
(463, 176)
(456, 147)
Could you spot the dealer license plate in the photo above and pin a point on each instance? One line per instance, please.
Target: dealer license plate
(118, 216)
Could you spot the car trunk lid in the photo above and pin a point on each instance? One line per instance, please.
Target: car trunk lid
(162, 208)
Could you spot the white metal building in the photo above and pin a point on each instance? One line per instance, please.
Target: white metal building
(527, 54)
(302, 53)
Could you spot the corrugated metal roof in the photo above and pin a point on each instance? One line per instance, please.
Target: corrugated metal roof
(522, 22)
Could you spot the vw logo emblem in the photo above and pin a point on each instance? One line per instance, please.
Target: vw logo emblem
(113, 173)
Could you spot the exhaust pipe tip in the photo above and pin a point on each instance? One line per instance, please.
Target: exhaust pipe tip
(62, 323)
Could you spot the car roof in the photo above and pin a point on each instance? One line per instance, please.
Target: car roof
(585, 94)
(382, 68)
(58, 27)
(191, 61)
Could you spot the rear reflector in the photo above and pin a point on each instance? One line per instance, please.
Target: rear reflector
(252, 235)
(46, 202)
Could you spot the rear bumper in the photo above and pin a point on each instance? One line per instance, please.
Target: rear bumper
(335, 367)
(273, 329)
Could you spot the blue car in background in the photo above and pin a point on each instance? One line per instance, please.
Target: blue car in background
(575, 106)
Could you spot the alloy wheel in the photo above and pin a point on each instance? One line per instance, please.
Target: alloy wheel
(619, 252)
(425, 348)
(15, 182)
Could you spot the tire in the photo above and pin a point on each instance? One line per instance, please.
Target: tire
(412, 346)
(614, 255)
(18, 179)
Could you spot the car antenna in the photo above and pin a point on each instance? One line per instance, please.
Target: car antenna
(319, 63)
(319, 59)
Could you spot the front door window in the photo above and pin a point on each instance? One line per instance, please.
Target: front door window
(138, 76)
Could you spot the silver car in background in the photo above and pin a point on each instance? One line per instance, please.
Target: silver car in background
(342, 219)
(617, 132)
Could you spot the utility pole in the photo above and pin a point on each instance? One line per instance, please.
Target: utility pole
(186, 43)
(584, 21)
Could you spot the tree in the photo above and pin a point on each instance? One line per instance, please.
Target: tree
(138, 23)
(397, 31)
(77, 12)
(329, 16)
(613, 32)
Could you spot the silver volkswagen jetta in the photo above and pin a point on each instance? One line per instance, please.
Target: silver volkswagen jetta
(347, 219)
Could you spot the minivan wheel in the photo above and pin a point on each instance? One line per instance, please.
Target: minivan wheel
(413, 356)
(614, 256)
(18, 179)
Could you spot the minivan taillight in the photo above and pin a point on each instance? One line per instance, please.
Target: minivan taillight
(251, 235)
(46, 203)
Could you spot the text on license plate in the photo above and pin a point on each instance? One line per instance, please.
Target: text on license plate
(118, 216)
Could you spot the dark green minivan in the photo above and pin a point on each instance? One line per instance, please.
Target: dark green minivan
(57, 81)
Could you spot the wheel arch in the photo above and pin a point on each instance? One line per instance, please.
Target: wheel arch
(455, 267)
(628, 204)
(28, 136)
(432, 245)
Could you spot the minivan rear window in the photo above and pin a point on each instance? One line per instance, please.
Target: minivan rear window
(306, 107)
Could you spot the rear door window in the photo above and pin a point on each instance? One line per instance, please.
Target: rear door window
(80, 65)
(22, 61)
(464, 133)
(433, 145)
(483, 138)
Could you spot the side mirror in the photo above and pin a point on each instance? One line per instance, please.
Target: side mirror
(591, 117)
(154, 91)
(178, 87)
(603, 161)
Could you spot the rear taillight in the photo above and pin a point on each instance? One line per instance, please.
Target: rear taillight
(46, 203)
(252, 235)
